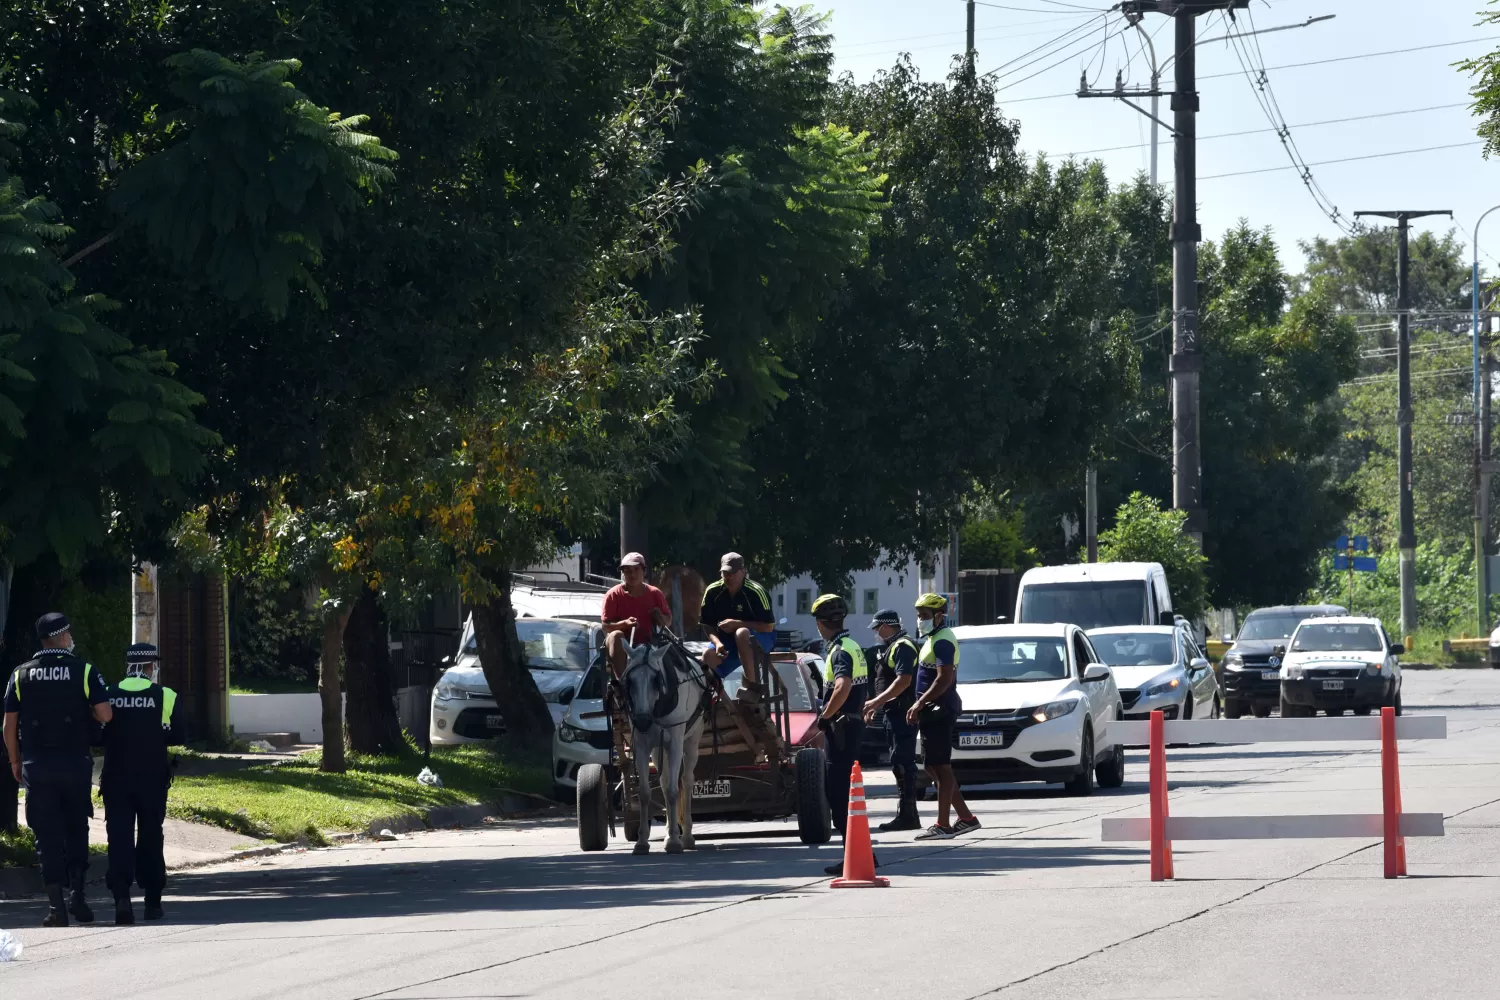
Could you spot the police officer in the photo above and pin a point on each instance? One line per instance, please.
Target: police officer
(842, 716)
(935, 712)
(137, 771)
(51, 703)
(895, 679)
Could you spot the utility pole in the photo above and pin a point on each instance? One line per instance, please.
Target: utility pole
(969, 46)
(633, 537)
(1481, 446)
(1091, 514)
(1408, 537)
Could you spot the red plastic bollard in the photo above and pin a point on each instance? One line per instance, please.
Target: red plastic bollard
(1161, 847)
(1390, 771)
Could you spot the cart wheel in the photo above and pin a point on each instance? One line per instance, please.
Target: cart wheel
(814, 822)
(593, 808)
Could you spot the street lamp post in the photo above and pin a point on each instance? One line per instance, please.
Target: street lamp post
(1482, 476)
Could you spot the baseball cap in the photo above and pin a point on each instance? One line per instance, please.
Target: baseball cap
(731, 562)
(633, 559)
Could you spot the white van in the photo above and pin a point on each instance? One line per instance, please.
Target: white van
(1096, 595)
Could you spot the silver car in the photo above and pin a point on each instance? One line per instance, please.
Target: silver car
(1159, 667)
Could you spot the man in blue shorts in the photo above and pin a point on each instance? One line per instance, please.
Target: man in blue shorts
(736, 614)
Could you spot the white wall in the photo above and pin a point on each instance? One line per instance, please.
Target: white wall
(894, 588)
(277, 713)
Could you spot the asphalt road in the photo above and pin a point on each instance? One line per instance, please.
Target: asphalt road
(1032, 906)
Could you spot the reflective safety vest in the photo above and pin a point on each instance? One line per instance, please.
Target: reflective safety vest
(856, 653)
(928, 656)
(136, 738)
(53, 691)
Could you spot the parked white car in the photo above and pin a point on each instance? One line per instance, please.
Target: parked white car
(1038, 705)
(558, 650)
(1340, 663)
(1094, 595)
(1159, 668)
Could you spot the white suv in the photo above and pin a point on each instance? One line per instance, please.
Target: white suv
(1038, 705)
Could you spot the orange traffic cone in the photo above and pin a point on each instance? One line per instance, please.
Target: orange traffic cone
(859, 855)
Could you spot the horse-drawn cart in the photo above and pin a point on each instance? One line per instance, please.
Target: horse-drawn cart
(750, 764)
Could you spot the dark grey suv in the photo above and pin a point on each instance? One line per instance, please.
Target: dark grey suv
(1250, 673)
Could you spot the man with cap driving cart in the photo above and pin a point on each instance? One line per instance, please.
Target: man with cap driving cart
(51, 704)
(137, 771)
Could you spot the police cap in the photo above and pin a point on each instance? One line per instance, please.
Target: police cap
(886, 616)
(53, 624)
(141, 654)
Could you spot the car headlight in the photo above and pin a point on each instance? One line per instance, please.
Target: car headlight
(1373, 668)
(1053, 710)
(572, 734)
(450, 692)
(1165, 687)
(1292, 673)
(1234, 661)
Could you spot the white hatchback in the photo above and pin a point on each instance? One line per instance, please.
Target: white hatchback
(1038, 705)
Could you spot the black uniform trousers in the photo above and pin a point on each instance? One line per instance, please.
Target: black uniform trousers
(843, 750)
(135, 806)
(901, 737)
(58, 806)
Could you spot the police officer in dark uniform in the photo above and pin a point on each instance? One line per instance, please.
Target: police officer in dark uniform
(895, 679)
(51, 704)
(842, 717)
(137, 771)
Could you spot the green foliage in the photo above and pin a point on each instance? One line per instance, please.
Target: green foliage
(1486, 89)
(992, 537)
(1143, 532)
(17, 848)
(273, 635)
(101, 624)
(254, 178)
(1360, 272)
(1445, 589)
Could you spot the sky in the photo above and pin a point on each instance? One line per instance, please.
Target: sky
(870, 34)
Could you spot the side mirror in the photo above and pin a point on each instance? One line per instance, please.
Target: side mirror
(1228, 637)
(566, 696)
(1397, 649)
(1279, 650)
(1095, 672)
(1167, 618)
(1197, 663)
(446, 661)
(1002, 618)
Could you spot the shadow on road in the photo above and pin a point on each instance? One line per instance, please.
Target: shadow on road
(614, 878)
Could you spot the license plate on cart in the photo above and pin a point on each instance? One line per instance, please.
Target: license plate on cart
(711, 789)
(1333, 685)
(981, 739)
(496, 721)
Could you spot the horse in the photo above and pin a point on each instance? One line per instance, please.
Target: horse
(666, 692)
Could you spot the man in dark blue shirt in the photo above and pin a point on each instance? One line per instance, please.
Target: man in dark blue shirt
(842, 716)
(895, 677)
(935, 713)
(51, 703)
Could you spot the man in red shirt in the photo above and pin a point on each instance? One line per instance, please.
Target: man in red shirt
(631, 610)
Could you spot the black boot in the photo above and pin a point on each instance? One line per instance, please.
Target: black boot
(906, 818)
(153, 906)
(57, 914)
(77, 904)
(124, 912)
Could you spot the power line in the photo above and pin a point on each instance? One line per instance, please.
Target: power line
(1262, 131)
(1374, 379)
(1315, 62)
(1045, 10)
(1345, 159)
(1067, 58)
(1047, 48)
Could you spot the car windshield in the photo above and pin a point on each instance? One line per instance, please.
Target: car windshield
(798, 690)
(1270, 626)
(1011, 659)
(551, 643)
(1337, 639)
(1135, 649)
(1087, 605)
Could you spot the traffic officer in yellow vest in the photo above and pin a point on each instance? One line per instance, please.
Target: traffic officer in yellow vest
(137, 771)
(51, 704)
(935, 713)
(895, 677)
(847, 681)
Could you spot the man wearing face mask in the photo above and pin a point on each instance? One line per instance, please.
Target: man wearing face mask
(895, 676)
(137, 771)
(51, 703)
(842, 716)
(936, 711)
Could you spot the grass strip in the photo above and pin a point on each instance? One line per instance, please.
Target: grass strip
(293, 800)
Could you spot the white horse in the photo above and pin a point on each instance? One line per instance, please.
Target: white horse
(665, 691)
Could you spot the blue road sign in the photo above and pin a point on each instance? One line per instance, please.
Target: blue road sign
(1362, 564)
(1340, 543)
(1361, 544)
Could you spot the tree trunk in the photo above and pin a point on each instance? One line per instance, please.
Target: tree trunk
(329, 691)
(373, 725)
(528, 724)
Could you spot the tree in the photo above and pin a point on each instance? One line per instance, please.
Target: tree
(1143, 532)
(1486, 89)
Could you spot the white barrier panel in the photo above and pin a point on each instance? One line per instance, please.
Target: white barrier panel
(1338, 730)
(1273, 827)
